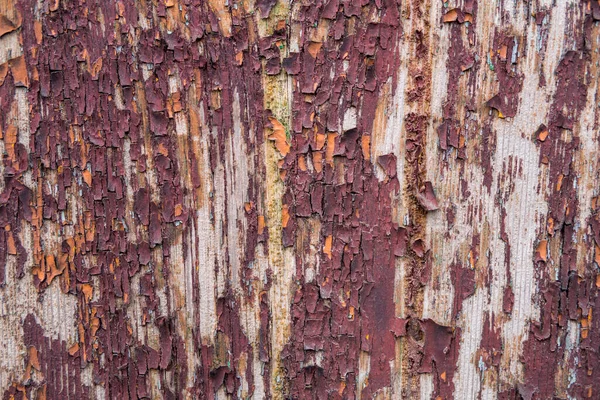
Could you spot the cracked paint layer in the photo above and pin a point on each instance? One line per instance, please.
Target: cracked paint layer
(321, 199)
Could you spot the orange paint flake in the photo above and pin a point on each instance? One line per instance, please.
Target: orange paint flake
(330, 147)
(285, 215)
(365, 143)
(87, 177)
(302, 163)
(74, 349)
(542, 250)
(450, 16)
(314, 48)
(19, 71)
(279, 137)
(7, 26)
(317, 161)
(327, 246)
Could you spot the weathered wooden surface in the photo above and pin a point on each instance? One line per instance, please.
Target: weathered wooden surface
(313, 199)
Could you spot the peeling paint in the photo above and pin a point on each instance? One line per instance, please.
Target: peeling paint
(330, 199)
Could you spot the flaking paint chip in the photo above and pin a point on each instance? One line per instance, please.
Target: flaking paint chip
(327, 246)
(366, 147)
(34, 359)
(178, 210)
(7, 26)
(314, 48)
(541, 133)
(450, 16)
(11, 247)
(74, 349)
(542, 250)
(350, 117)
(279, 137)
(329, 151)
(550, 226)
(302, 163)
(19, 71)
(87, 177)
(317, 159)
(320, 140)
(285, 215)
(3, 73)
(37, 31)
(88, 291)
(502, 52)
(426, 197)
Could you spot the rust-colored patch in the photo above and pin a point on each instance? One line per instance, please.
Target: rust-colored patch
(450, 16)
(74, 349)
(502, 52)
(285, 215)
(330, 149)
(261, 224)
(33, 362)
(327, 246)
(302, 163)
(366, 147)
(18, 69)
(7, 26)
(3, 73)
(87, 177)
(314, 48)
(542, 250)
(278, 135)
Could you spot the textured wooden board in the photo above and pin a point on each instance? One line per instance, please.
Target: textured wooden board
(317, 199)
